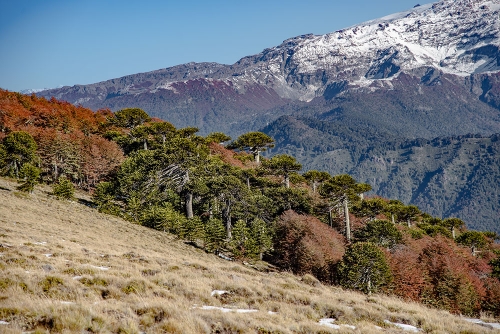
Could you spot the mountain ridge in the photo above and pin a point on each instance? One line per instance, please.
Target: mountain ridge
(452, 40)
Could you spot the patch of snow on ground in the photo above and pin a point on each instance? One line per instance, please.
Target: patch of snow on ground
(225, 310)
(48, 255)
(222, 256)
(218, 292)
(100, 268)
(404, 327)
(492, 325)
(41, 243)
(2, 322)
(329, 322)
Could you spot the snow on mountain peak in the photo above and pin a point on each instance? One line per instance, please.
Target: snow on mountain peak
(459, 37)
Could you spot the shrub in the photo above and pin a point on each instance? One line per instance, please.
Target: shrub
(214, 236)
(29, 177)
(63, 189)
(305, 245)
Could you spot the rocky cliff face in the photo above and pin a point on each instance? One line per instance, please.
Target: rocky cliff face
(449, 43)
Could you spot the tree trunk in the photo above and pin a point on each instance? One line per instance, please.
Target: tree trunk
(145, 145)
(392, 218)
(226, 216)
(330, 218)
(256, 156)
(248, 182)
(287, 181)
(409, 222)
(453, 232)
(315, 185)
(347, 221)
(189, 204)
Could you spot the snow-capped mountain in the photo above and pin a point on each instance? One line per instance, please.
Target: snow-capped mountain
(456, 37)
(453, 44)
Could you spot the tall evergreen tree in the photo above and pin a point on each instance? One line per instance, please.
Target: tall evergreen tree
(282, 165)
(255, 142)
(19, 148)
(364, 267)
(345, 190)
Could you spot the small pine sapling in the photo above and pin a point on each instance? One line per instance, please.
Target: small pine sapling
(63, 189)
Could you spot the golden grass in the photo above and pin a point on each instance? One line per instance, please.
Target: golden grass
(65, 268)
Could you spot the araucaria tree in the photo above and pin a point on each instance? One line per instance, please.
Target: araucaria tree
(18, 148)
(282, 165)
(29, 176)
(344, 190)
(380, 232)
(255, 142)
(364, 267)
(316, 178)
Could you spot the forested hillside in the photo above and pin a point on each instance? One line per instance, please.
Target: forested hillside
(445, 176)
(230, 201)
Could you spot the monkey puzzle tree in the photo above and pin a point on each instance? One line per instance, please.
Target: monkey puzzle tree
(162, 130)
(255, 142)
(130, 118)
(18, 148)
(261, 238)
(408, 214)
(473, 239)
(452, 224)
(282, 165)
(343, 189)
(140, 134)
(370, 207)
(63, 189)
(217, 137)
(316, 177)
(380, 232)
(393, 208)
(29, 177)
(227, 190)
(364, 267)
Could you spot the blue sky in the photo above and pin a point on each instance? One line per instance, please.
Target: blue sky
(45, 44)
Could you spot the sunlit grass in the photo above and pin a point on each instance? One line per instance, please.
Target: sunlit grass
(107, 275)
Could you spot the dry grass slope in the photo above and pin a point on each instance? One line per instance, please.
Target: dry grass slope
(65, 268)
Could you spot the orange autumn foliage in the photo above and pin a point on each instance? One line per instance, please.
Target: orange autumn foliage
(68, 137)
(305, 245)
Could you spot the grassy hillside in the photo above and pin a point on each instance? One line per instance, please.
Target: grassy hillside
(64, 267)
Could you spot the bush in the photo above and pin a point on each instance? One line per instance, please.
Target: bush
(214, 236)
(29, 175)
(305, 245)
(63, 189)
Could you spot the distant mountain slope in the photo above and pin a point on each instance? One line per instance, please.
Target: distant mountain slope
(446, 176)
(433, 60)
